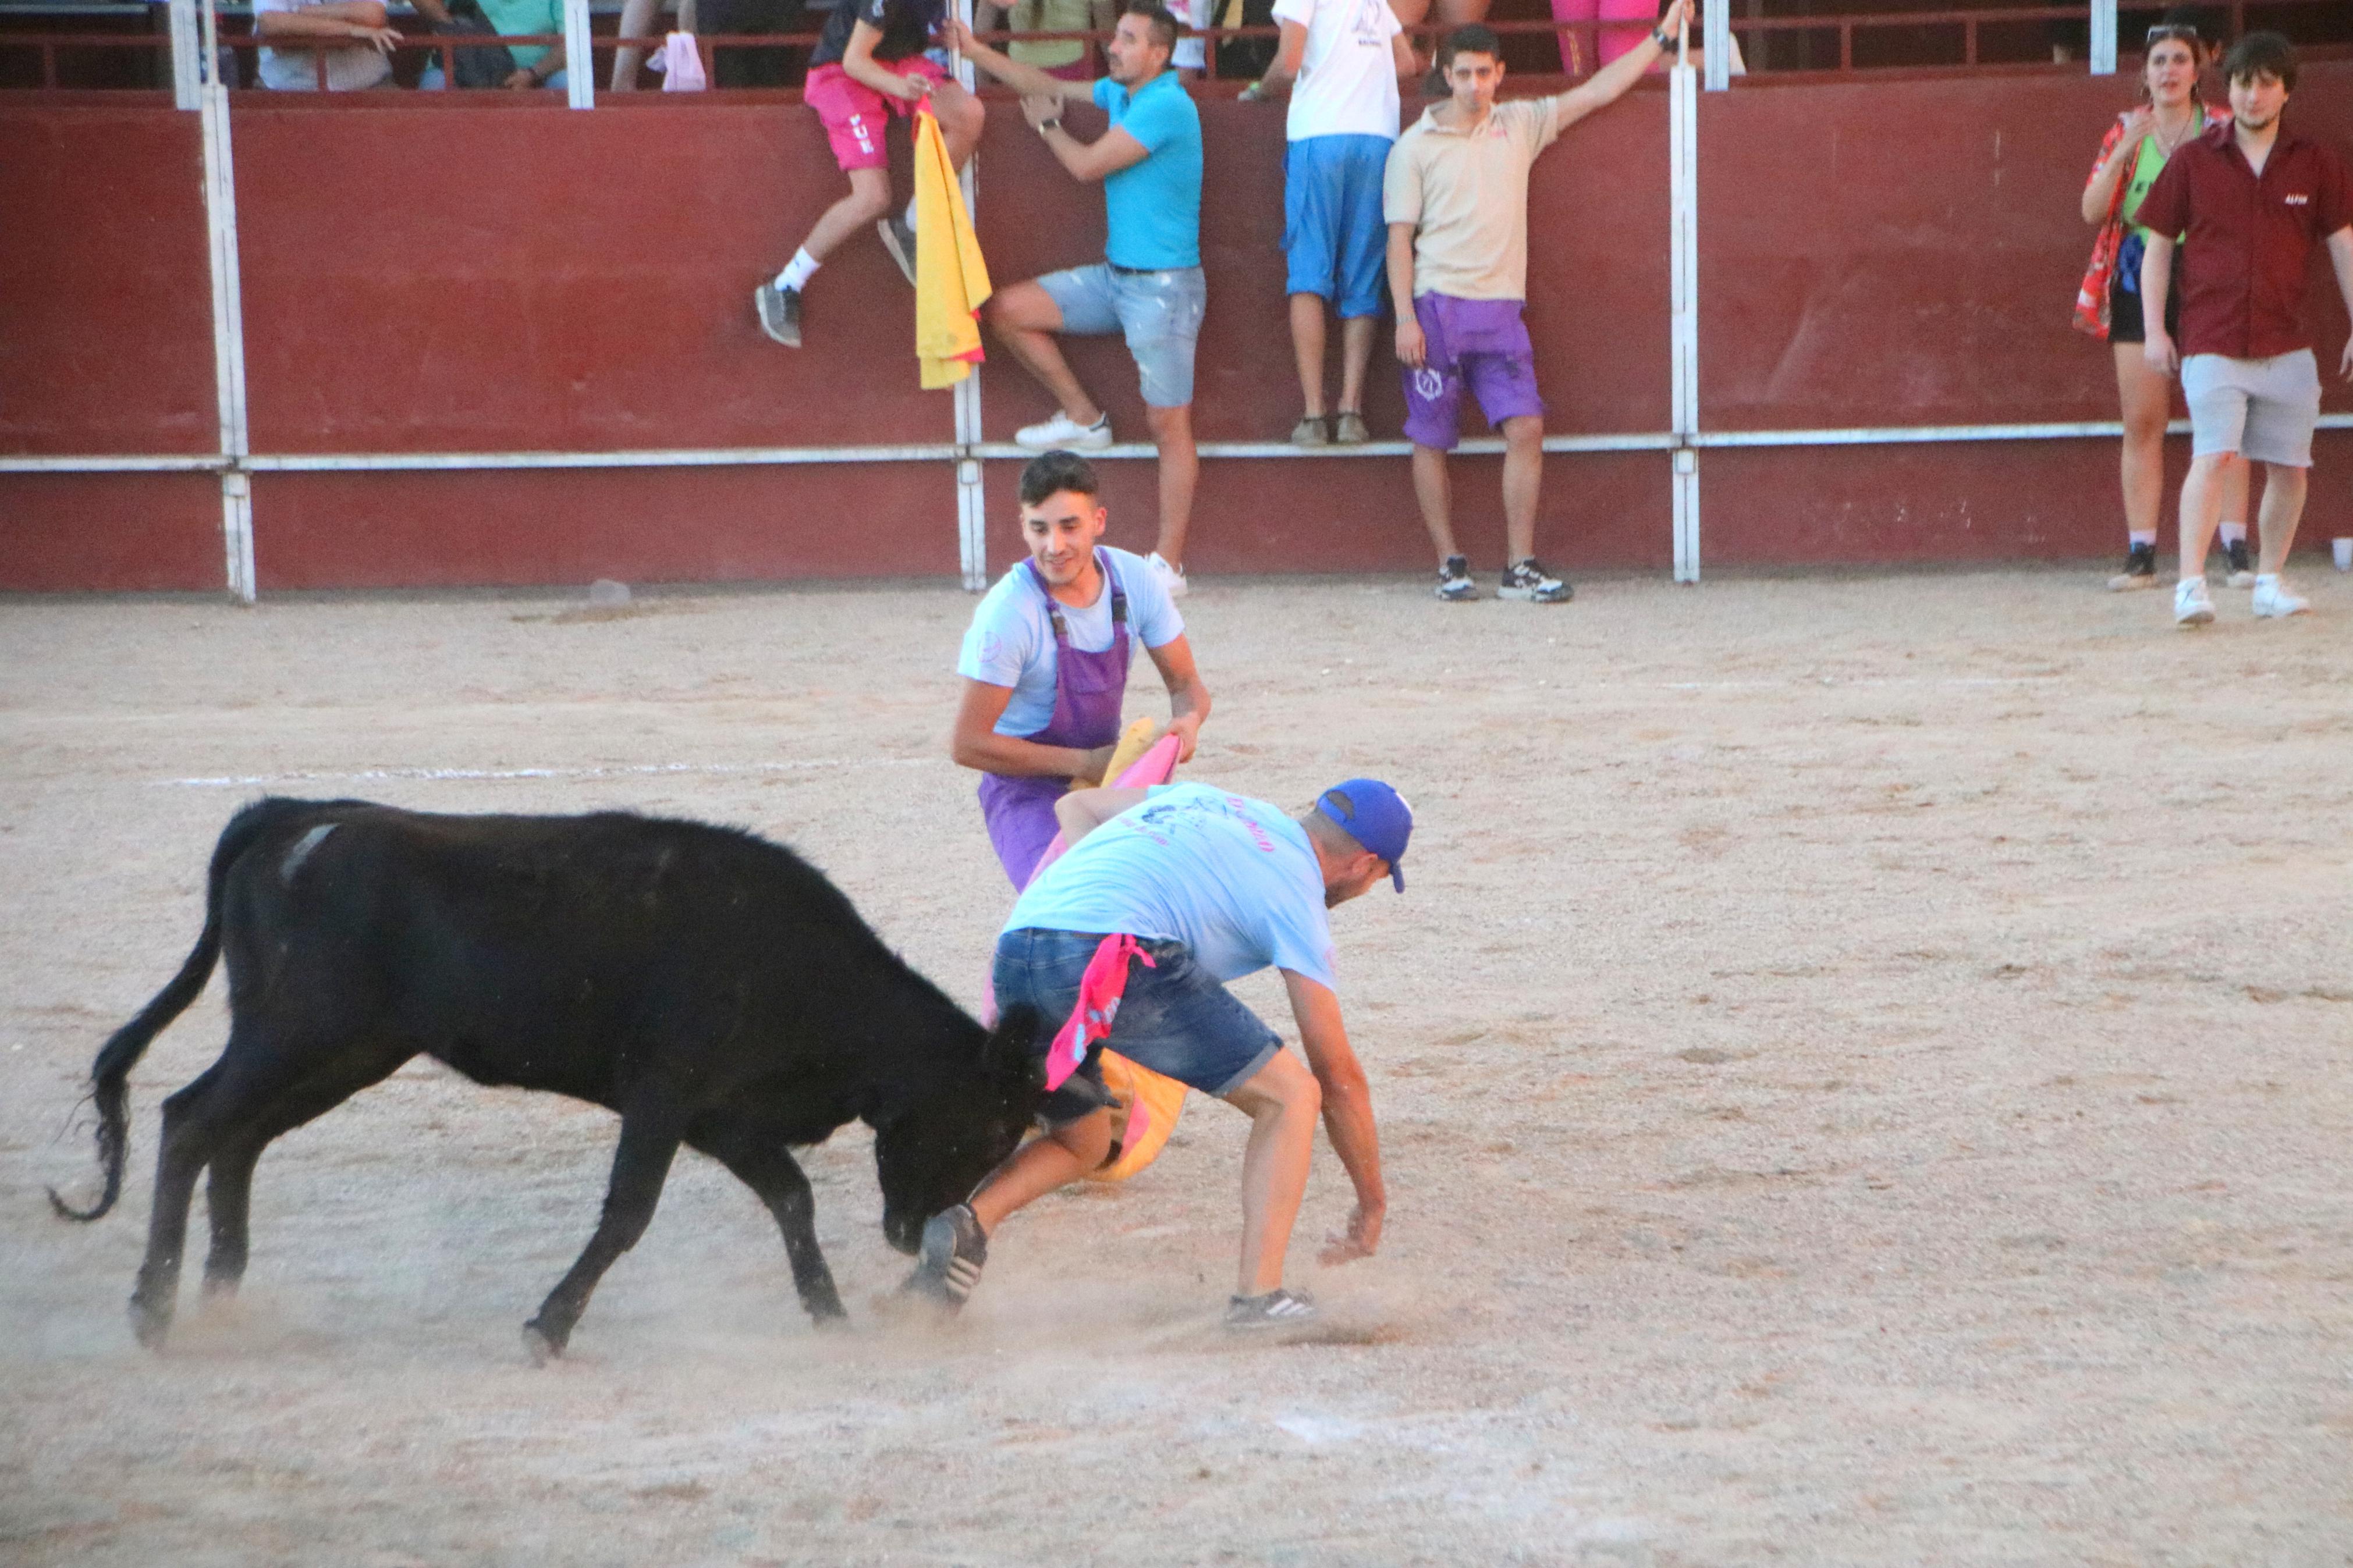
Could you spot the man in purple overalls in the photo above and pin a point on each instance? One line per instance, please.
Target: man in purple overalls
(1045, 661)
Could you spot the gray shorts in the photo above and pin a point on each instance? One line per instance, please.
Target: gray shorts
(1159, 313)
(2262, 409)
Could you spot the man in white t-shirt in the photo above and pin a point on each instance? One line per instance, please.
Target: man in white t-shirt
(1346, 57)
(1125, 944)
(1045, 661)
(350, 36)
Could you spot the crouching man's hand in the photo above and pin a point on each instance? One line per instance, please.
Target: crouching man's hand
(1362, 1239)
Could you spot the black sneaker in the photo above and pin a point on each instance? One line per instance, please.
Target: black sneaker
(1275, 1309)
(780, 313)
(1454, 584)
(953, 1252)
(899, 239)
(1528, 580)
(2140, 569)
(2242, 565)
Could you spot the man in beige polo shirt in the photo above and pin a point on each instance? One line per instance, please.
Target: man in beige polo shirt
(1456, 198)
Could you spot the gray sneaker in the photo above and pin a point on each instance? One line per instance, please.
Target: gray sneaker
(953, 1249)
(780, 313)
(899, 239)
(1275, 1309)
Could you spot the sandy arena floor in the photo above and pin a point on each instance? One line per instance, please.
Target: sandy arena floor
(1862, 1070)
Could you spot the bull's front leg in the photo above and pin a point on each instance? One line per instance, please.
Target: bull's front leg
(760, 1160)
(649, 1140)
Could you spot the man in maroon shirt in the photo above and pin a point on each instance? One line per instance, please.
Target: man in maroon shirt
(2245, 203)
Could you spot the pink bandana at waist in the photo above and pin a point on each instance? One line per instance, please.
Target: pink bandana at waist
(1099, 989)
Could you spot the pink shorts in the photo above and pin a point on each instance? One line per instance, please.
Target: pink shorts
(854, 114)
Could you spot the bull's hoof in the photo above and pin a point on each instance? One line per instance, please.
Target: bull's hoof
(834, 1323)
(150, 1326)
(541, 1345)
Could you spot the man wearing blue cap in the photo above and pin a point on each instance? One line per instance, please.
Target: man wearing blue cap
(1127, 941)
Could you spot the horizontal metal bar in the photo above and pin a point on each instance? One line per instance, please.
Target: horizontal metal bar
(102, 463)
(1484, 445)
(1902, 435)
(686, 457)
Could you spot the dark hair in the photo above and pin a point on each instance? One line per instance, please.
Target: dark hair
(1165, 29)
(1474, 39)
(1052, 473)
(2261, 54)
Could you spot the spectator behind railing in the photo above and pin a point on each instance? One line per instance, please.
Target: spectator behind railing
(1065, 60)
(638, 19)
(516, 65)
(347, 38)
(1346, 57)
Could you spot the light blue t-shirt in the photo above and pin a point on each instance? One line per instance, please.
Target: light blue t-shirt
(1231, 878)
(1011, 642)
(1152, 209)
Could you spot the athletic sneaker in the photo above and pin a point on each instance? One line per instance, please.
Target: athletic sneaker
(1309, 432)
(1348, 430)
(2273, 599)
(2140, 569)
(953, 1252)
(1172, 578)
(899, 239)
(1528, 580)
(2191, 607)
(1275, 1309)
(1064, 434)
(780, 313)
(2242, 569)
(1454, 584)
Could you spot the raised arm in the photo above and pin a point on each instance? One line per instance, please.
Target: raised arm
(1082, 811)
(1609, 84)
(1347, 1113)
(1025, 80)
(2113, 164)
(1086, 162)
(859, 64)
(1188, 694)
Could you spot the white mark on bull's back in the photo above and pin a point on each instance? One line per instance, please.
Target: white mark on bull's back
(618, 770)
(302, 850)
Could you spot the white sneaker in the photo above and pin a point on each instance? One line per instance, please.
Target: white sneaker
(1064, 434)
(2191, 607)
(1172, 578)
(2273, 598)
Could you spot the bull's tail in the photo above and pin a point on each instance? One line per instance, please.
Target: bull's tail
(110, 1075)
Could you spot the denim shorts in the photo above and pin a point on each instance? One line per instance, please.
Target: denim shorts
(1159, 313)
(1332, 227)
(1175, 1018)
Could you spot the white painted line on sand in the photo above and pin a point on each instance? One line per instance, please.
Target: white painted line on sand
(1858, 681)
(498, 775)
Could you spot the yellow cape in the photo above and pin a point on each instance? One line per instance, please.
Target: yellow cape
(951, 279)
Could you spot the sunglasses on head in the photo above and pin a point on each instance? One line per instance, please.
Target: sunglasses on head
(2177, 30)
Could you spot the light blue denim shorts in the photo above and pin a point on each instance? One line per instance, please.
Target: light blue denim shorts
(1159, 313)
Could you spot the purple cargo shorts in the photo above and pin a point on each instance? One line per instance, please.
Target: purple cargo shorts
(1482, 341)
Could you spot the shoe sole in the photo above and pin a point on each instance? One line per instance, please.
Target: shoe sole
(1466, 597)
(2282, 615)
(905, 258)
(2195, 618)
(2126, 582)
(775, 330)
(1534, 596)
(1089, 443)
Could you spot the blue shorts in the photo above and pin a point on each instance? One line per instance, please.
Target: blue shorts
(1175, 1018)
(1332, 224)
(1159, 313)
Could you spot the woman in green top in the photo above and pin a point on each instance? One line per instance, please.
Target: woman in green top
(2136, 149)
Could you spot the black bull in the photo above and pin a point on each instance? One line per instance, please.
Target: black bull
(711, 987)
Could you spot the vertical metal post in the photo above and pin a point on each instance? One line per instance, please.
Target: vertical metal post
(1683, 273)
(2103, 37)
(187, 84)
(228, 315)
(579, 57)
(1716, 34)
(972, 499)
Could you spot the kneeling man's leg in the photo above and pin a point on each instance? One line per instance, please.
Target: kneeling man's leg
(1282, 1101)
(1064, 1154)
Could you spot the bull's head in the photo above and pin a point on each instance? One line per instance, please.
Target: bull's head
(935, 1152)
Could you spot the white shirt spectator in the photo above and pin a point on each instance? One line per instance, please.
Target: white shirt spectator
(1192, 49)
(1347, 78)
(350, 66)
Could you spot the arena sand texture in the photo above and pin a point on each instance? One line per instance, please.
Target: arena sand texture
(1861, 1068)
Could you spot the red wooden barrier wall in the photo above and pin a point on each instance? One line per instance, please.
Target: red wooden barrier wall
(449, 275)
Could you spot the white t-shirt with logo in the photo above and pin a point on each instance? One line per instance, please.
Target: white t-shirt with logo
(1347, 78)
(1011, 639)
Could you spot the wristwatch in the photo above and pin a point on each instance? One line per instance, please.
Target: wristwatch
(1660, 38)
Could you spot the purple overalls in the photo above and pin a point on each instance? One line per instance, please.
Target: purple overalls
(1088, 688)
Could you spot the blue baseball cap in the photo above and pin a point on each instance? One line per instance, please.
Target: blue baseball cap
(1376, 816)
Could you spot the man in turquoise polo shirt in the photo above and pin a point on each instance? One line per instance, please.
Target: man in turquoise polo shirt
(1149, 286)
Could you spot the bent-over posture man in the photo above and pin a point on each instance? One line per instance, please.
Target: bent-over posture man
(1456, 197)
(874, 61)
(1149, 287)
(1045, 662)
(1125, 943)
(2250, 200)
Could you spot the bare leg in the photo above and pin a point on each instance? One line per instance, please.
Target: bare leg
(2146, 398)
(636, 21)
(2283, 493)
(649, 1139)
(1307, 349)
(961, 118)
(1041, 1165)
(868, 199)
(1523, 472)
(1281, 1099)
(1025, 319)
(1435, 492)
(2201, 509)
(1356, 353)
(2236, 476)
(1180, 470)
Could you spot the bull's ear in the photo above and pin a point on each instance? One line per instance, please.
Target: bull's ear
(1011, 1057)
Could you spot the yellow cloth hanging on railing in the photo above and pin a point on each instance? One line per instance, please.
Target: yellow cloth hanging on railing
(951, 279)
